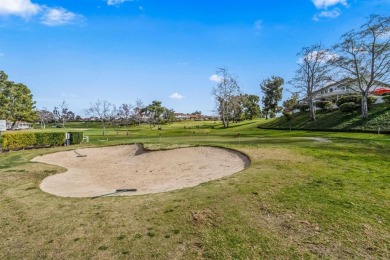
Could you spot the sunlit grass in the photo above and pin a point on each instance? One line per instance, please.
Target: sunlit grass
(300, 198)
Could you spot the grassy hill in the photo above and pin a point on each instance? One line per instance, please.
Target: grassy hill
(379, 118)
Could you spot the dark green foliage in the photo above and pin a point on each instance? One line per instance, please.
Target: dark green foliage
(250, 106)
(324, 105)
(346, 99)
(302, 107)
(287, 114)
(16, 101)
(292, 102)
(386, 99)
(348, 107)
(272, 93)
(357, 99)
(14, 141)
(337, 121)
(76, 137)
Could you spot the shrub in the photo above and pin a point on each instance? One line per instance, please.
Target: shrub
(76, 137)
(357, 99)
(14, 141)
(18, 141)
(348, 107)
(348, 99)
(287, 114)
(324, 105)
(302, 107)
(386, 99)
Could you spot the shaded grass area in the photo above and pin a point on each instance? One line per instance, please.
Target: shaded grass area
(379, 120)
(300, 198)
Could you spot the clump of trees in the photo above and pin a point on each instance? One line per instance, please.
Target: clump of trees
(16, 101)
(232, 104)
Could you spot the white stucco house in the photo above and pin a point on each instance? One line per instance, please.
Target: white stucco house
(20, 125)
(337, 89)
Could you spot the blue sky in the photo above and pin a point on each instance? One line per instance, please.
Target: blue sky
(85, 50)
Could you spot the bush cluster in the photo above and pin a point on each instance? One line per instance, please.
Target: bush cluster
(386, 99)
(324, 105)
(76, 137)
(357, 99)
(15, 141)
(302, 107)
(348, 107)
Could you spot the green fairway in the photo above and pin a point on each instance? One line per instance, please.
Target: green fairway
(305, 195)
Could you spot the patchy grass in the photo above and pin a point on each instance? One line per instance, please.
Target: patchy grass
(298, 199)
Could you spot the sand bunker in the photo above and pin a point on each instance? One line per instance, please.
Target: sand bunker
(104, 170)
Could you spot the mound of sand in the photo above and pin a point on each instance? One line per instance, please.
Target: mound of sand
(104, 170)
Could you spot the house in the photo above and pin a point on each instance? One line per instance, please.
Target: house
(181, 116)
(344, 87)
(20, 125)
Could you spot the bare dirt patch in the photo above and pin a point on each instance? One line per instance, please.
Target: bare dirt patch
(102, 171)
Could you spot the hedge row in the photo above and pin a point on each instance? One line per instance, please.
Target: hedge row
(15, 141)
(76, 137)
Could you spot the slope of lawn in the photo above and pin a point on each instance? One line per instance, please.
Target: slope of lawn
(379, 118)
(301, 197)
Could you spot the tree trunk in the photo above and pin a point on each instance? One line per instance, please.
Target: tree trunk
(364, 105)
(312, 111)
(104, 130)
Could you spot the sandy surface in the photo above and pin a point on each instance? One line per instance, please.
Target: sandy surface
(107, 169)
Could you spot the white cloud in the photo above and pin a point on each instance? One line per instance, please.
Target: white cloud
(49, 16)
(59, 16)
(176, 96)
(23, 8)
(215, 78)
(331, 14)
(323, 4)
(117, 2)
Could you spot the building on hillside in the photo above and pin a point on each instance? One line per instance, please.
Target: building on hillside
(347, 86)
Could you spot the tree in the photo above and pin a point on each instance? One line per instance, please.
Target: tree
(154, 111)
(126, 114)
(16, 101)
(104, 111)
(363, 55)
(292, 102)
(251, 108)
(138, 109)
(197, 113)
(63, 114)
(169, 115)
(227, 87)
(272, 94)
(312, 74)
(45, 116)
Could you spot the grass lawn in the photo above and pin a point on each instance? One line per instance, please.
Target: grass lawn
(300, 198)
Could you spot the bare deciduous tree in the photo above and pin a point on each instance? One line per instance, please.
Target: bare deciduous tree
(364, 56)
(313, 73)
(104, 111)
(227, 88)
(126, 114)
(139, 106)
(45, 116)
